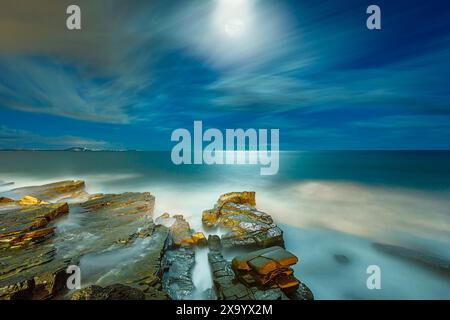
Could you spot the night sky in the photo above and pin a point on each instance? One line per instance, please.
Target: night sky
(140, 69)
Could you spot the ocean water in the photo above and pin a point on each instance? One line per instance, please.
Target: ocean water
(332, 205)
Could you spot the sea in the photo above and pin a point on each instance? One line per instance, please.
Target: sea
(333, 206)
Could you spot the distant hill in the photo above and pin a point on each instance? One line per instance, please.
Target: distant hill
(78, 149)
(72, 149)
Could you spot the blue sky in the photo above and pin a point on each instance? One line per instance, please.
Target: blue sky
(140, 69)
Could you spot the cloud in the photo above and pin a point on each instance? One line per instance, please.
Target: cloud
(162, 64)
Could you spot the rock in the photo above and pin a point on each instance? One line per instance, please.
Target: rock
(427, 260)
(4, 184)
(165, 215)
(17, 291)
(20, 226)
(199, 239)
(302, 293)
(113, 292)
(30, 200)
(247, 226)
(342, 259)
(177, 272)
(4, 200)
(245, 197)
(226, 285)
(181, 231)
(52, 191)
(270, 267)
(107, 222)
(214, 243)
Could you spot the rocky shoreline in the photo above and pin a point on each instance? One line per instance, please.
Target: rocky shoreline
(45, 229)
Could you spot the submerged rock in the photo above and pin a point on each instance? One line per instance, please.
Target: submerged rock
(247, 226)
(342, 259)
(4, 183)
(434, 263)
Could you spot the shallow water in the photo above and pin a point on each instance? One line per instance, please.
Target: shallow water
(327, 203)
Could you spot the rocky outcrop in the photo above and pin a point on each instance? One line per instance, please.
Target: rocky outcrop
(32, 269)
(40, 239)
(246, 225)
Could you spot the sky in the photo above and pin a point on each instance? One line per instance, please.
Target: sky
(139, 69)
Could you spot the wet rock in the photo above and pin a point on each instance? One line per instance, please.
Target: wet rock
(177, 272)
(20, 226)
(52, 191)
(32, 272)
(125, 220)
(270, 267)
(227, 286)
(107, 222)
(302, 293)
(113, 292)
(247, 226)
(214, 243)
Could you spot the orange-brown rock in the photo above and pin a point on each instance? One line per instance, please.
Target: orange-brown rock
(270, 267)
(245, 197)
(247, 226)
(4, 200)
(199, 239)
(30, 200)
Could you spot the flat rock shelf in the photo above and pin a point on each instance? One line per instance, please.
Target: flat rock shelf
(125, 253)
